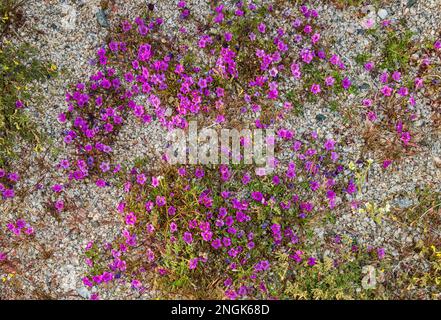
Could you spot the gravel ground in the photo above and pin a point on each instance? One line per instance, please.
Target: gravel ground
(70, 32)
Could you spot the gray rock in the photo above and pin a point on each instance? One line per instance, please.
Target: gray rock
(404, 203)
(364, 86)
(382, 13)
(101, 16)
(83, 292)
(411, 3)
(68, 17)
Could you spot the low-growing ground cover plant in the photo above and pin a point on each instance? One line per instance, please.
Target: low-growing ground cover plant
(142, 64)
(226, 228)
(391, 112)
(19, 69)
(232, 230)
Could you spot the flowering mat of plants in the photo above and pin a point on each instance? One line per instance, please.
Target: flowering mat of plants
(91, 209)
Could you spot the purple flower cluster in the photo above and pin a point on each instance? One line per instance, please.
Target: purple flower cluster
(7, 182)
(19, 227)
